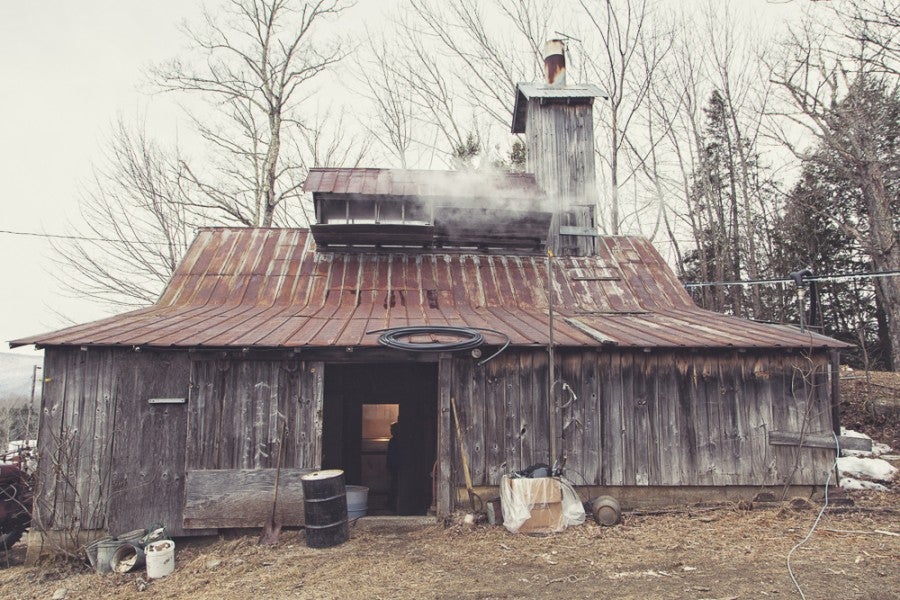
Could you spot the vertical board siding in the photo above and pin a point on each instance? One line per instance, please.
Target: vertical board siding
(149, 441)
(571, 413)
(801, 404)
(590, 459)
(108, 458)
(667, 419)
(239, 406)
(496, 462)
(75, 439)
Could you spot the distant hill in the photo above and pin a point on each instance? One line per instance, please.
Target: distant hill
(16, 371)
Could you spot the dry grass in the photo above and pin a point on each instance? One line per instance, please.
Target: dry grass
(724, 553)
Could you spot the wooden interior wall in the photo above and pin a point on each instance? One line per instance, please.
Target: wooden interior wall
(647, 419)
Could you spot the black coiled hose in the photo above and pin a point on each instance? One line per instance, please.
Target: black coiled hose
(470, 337)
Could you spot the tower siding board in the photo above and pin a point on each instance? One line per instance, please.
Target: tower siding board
(561, 154)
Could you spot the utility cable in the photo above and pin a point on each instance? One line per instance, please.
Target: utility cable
(56, 236)
(837, 446)
(832, 277)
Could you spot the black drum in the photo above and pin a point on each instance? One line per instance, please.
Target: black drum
(325, 508)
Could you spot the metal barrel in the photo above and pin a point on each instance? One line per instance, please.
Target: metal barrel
(607, 511)
(325, 508)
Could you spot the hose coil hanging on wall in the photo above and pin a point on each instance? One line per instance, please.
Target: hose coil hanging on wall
(469, 338)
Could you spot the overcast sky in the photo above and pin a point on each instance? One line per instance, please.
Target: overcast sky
(67, 70)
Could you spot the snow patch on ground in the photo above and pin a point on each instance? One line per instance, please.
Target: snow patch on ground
(849, 484)
(868, 468)
(863, 470)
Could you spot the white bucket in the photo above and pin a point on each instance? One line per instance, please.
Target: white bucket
(160, 557)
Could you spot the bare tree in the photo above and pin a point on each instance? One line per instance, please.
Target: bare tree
(832, 91)
(444, 77)
(623, 49)
(252, 62)
(384, 78)
(135, 227)
(708, 98)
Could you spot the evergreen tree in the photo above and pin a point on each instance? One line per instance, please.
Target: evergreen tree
(828, 224)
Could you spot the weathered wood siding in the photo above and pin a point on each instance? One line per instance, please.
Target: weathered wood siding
(111, 460)
(237, 408)
(560, 138)
(149, 440)
(647, 419)
(75, 439)
(107, 458)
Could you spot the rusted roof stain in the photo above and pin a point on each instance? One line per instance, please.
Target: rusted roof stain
(269, 288)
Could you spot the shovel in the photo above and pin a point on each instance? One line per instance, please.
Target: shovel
(272, 528)
(465, 462)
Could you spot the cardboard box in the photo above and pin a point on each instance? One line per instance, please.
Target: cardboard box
(538, 490)
(545, 518)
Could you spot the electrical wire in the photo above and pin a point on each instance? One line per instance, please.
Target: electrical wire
(832, 277)
(837, 446)
(470, 338)
(81, 238)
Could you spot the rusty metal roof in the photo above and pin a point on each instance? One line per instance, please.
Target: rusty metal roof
(271, 288)
(423, 183)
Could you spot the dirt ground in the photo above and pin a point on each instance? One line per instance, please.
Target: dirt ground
(720, 553)
(699, 553)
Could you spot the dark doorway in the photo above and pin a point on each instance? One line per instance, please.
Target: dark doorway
(360, 401)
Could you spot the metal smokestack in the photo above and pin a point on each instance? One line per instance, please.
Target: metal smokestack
(555, 63)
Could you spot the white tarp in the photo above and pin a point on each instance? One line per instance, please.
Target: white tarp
(539, 504)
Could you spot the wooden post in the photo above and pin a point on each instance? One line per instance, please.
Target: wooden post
(551, 405)
(444, 486)
(836, 391)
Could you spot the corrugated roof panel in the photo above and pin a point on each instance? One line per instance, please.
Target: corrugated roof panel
(270, 288)
(521, 187)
